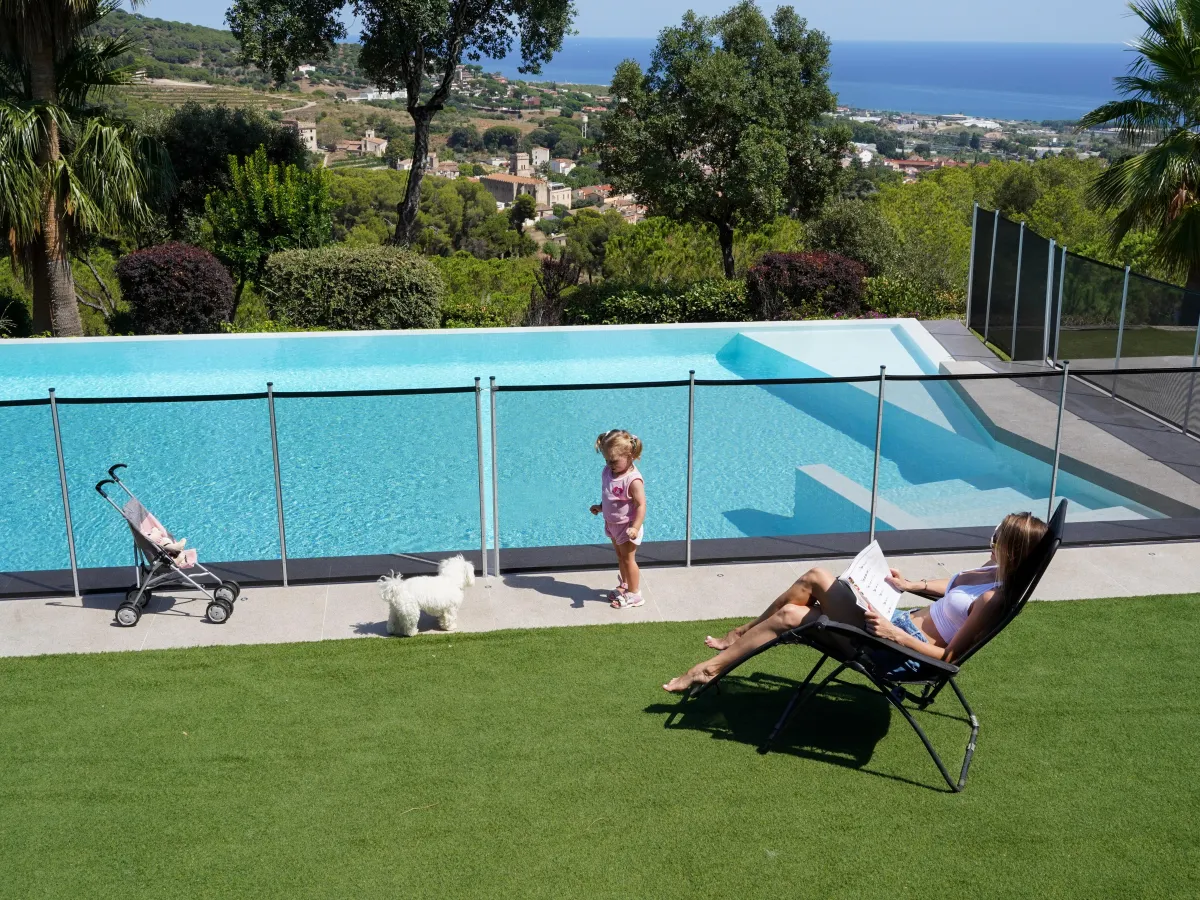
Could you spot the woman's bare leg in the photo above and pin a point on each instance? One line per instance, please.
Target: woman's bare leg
(799, 594)
(833, 599)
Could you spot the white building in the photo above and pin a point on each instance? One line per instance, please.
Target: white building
(374, 93)
(539, 157)
(305, 69)
(561, 166)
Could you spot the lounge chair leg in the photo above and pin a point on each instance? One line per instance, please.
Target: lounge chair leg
(799, 698)
(962, 779)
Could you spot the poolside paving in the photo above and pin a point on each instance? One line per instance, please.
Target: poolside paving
(542, 600)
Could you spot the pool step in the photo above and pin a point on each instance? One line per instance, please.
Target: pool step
(963, 505)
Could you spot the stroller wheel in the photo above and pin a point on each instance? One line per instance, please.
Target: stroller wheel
(128, 614)
(219, 611)
(131, 597)
(227, 591)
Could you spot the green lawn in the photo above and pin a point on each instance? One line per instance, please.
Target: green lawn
(1098, 343)
(536, 764)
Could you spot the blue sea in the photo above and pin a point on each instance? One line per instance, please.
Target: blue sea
(1008, 81)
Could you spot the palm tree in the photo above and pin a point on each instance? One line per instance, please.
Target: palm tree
(66, 169)
(1158, 189)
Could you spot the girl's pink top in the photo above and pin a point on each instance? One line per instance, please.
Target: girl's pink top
(618, 507)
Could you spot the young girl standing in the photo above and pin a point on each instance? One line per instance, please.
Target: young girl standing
(623, 492)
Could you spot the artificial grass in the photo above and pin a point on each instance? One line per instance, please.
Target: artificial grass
(536, 764)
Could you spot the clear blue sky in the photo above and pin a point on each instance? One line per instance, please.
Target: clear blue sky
(1055, 21)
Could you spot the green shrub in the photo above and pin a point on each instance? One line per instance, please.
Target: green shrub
(353, 288)
(485, 293)
(898, 296)
(611, 303)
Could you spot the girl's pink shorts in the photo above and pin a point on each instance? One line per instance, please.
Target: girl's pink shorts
(618, 533)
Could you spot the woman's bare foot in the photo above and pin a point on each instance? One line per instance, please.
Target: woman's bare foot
(693, 676)
(722, 643)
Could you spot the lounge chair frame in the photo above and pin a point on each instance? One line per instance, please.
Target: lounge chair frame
(877, 659)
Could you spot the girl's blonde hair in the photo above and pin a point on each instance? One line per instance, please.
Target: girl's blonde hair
(1014, 539)
(621, 443)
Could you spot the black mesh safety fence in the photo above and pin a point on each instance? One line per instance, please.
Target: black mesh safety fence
(1002, 298)
(1031, 331)
(981, 269)
(1091, 315)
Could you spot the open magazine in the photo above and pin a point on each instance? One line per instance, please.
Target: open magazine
(867, 577)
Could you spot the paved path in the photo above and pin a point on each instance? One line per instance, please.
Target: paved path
(324, 612)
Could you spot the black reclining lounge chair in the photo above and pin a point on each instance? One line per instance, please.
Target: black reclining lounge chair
(877, 659)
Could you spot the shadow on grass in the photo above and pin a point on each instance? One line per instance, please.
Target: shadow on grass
(840, 726)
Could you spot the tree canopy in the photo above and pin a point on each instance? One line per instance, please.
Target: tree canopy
(1158, 188)
(724, 127)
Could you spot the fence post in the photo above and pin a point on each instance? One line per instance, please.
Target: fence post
(1062, 405)
(62, 483)
(687, 533)
(971, 264)
(1049, 302)
(1120, 333)
(878, 443)
(1062, 280)
(987, 312)
(278, 482)
(1012, 350)
(1187, 411)
(495, 484)
(483, 568)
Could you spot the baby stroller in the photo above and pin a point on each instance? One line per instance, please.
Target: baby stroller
(162, 561)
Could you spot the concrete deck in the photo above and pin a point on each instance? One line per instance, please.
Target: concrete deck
(325, 612)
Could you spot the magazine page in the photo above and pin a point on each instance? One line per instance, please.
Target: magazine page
(867, 576)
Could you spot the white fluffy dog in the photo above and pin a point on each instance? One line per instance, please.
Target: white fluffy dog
(439, 595)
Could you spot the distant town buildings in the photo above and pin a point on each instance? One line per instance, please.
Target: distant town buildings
(562, 166)
(539, 156)
(374, 93)
(506, 189)
(431, 163)
(520, 166)
(305, 69)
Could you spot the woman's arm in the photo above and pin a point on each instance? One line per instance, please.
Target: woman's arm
(980, 616)
(637, 496)
(924, 586)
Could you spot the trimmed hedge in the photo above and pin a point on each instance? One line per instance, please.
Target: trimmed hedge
(897, 296)
(611, 303)
(175, 289)
(354, 288)
(815, 285)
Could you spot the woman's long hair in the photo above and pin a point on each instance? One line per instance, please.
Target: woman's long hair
(1014, 540)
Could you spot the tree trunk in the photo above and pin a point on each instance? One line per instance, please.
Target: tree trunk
(725, 233)
(54, 303)
(406, 227)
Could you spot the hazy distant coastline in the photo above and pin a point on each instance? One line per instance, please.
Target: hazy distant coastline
(1008, 81)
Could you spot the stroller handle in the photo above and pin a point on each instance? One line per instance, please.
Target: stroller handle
(112, 472)
(100, 487)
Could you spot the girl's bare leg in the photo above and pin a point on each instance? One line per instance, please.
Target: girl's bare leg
(633, 575)
(799, 594)
(821, 587)
(620, 562)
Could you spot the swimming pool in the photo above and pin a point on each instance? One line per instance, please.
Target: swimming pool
(399, 474)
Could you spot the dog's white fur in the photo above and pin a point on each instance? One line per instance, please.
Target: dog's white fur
(439, 595)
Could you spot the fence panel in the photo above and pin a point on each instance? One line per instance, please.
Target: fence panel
(1004, 285)
(550, 470)
(984, 226)
(782, 459)
(33, 511)
(203, 467)
(384, 474)
(1031, 310)
(943, 467)
(1091, 315)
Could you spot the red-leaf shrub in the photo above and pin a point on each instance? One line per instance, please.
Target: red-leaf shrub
(175, 289)
(816, 285)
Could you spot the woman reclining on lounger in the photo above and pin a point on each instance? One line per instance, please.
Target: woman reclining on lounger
(944, 630)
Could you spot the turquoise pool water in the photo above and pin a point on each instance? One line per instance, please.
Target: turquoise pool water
(365, 475)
